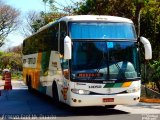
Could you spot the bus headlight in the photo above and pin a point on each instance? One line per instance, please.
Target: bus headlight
(80, 91)
(132, 90)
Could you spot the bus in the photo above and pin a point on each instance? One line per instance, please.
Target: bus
(86, 60)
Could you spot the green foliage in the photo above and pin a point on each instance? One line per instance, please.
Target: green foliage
(13, 61)
(45, 18)
(1, 53)
(17, 75)
(38, 23)
(150, 26)
(10, 60)
(156, 70)
(123, 8)
(155, 73)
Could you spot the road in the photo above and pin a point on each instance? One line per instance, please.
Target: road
(21, 104)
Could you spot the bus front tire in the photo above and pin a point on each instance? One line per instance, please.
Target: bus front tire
(55, 94)
(110, 106)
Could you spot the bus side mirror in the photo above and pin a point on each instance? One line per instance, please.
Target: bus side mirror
(67, 48)
(147, 47)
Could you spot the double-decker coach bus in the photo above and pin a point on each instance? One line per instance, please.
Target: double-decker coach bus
(85, 60)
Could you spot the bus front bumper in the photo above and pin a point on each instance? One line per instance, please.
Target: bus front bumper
(104, 100)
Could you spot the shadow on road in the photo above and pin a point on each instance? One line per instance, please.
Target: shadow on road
(147, 105)
(77, 111)
(22, 102)
(91, 111)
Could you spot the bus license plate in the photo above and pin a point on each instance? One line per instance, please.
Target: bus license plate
(108, 99)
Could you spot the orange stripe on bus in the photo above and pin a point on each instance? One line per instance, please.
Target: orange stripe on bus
(126, 84)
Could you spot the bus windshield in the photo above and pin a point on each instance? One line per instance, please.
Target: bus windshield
(104, 60)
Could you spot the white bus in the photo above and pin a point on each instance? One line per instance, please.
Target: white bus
(86, 60)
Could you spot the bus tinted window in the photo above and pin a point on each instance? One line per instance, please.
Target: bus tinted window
(102, 31)
(46, 40)
(63, 33)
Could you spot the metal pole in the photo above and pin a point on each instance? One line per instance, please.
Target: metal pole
(139, 5)
(145, 76)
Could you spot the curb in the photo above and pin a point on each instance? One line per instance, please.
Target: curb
(152, 100)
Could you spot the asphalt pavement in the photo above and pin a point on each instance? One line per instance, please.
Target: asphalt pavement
(21, 104)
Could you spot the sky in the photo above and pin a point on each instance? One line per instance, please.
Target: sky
(24, 6)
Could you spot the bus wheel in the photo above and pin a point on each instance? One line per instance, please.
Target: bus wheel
(110, 106)
(29, 84)
(55, 94)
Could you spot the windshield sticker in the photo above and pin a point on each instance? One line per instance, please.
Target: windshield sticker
(110, 44)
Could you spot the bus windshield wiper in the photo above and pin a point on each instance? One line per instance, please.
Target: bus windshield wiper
(99, 64)
(97, 70)
(121, 73)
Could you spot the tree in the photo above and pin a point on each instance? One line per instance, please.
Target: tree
(8, 20)
(5, 60)
(37, 20)
(33, 22)
(123, 8)
(150, 20)
(150, 25)
(12, 58)
(16, 49)
(155, 73)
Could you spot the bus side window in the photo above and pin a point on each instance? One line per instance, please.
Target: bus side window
(63, 33)
(65, 68)
(54, 37)
(64, 63)
(24, 47)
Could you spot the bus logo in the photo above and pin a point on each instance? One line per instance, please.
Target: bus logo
(95, 86)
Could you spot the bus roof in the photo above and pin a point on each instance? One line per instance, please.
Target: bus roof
(95, 18)
(101, 18)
